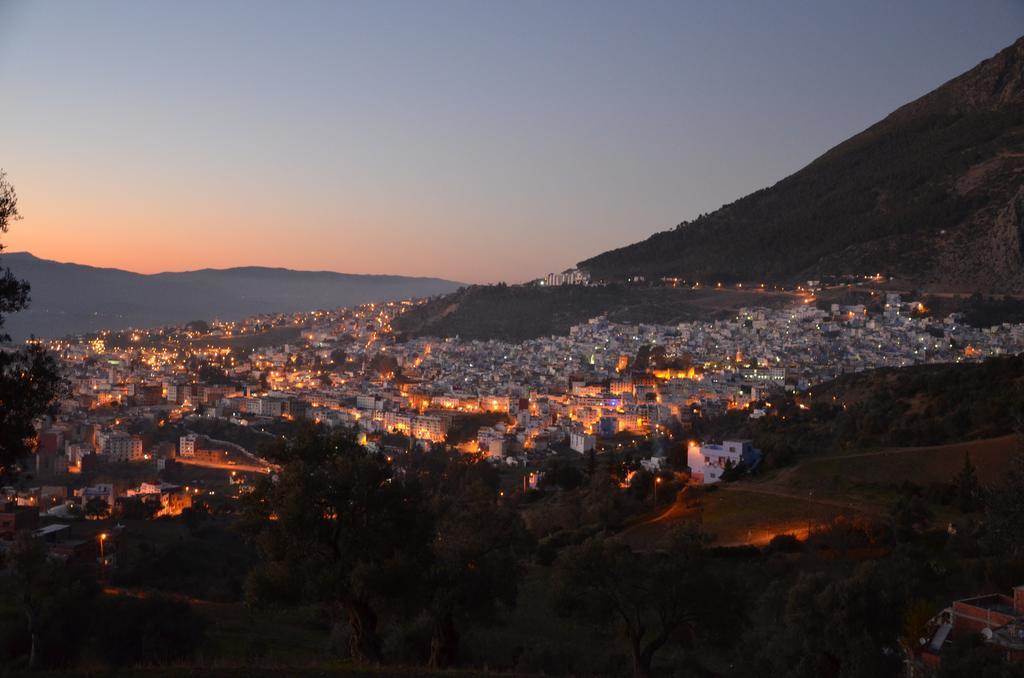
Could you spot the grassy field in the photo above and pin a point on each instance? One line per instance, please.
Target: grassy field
(872, 479)
(735, 517)
(819, 489)
(237, 634)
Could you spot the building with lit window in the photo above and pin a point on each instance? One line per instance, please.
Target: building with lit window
(707, 462)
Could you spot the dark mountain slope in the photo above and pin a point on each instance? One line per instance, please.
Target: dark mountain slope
(516, 313)
(70, 298)
(933, 194)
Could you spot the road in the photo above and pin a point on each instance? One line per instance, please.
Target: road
(144, 594)
(248, 468)
(256, 465)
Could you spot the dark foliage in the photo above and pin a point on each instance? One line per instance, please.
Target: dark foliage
(657, 599)
(476, 559)
(824, 625)
(209, 564)
(335, 529)
(53, 603)
(517, 313)
(910, 406)
(29, 380)
(464, 427)
(151, 630)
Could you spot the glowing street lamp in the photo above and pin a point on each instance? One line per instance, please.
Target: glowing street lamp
(103, 561)
(657, 481)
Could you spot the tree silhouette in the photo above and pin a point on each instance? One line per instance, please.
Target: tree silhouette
(335, 528)
(969, 495)
(656, 598)
(29, 380)
(1004, 507)
(475, 555)
(97, 508)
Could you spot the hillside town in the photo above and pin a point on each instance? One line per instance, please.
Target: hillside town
(139, 399)
(512, 339)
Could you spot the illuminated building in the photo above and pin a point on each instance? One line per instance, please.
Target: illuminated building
(708, 462)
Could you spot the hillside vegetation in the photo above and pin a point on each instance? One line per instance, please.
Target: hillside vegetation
(516, 313)
(910, 406)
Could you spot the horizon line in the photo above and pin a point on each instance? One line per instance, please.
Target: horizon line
(234, 268)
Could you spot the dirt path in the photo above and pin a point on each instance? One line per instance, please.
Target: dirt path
(648, 533)
(643, 533)
(809, 498)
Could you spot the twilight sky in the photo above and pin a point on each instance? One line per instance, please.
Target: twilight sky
(476, 141)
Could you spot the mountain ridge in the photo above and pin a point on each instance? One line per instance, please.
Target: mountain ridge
(26, 255)
(69, 298)
(932, 194)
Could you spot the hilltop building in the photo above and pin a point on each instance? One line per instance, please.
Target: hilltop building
(707, 462)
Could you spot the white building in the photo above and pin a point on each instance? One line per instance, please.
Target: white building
(708, 462)
(496, 448)
(75, 452)
(118, 445)
(367, 402)
(582, 442)
(425, 427)
(572, 276)
(187, 445)
(265, 407)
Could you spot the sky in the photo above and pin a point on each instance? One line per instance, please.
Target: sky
(476, 141)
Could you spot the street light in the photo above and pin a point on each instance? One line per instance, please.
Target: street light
(657, 481)
(103, 560)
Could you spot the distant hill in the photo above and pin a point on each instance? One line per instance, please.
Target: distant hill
(516, 313)
(71, 298)
(932, 195)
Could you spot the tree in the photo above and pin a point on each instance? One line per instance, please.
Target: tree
(29, 379)
(969, 495)
(657, 597)
(135, 508)
(97, 508)
(910, 516)
(56, 606)
(195, 515)
(822, 625)
(212, 374)
(29, 564)
(1004, 508)
(563, 474)
(476, 559)
(335, 528)
(733, 471)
